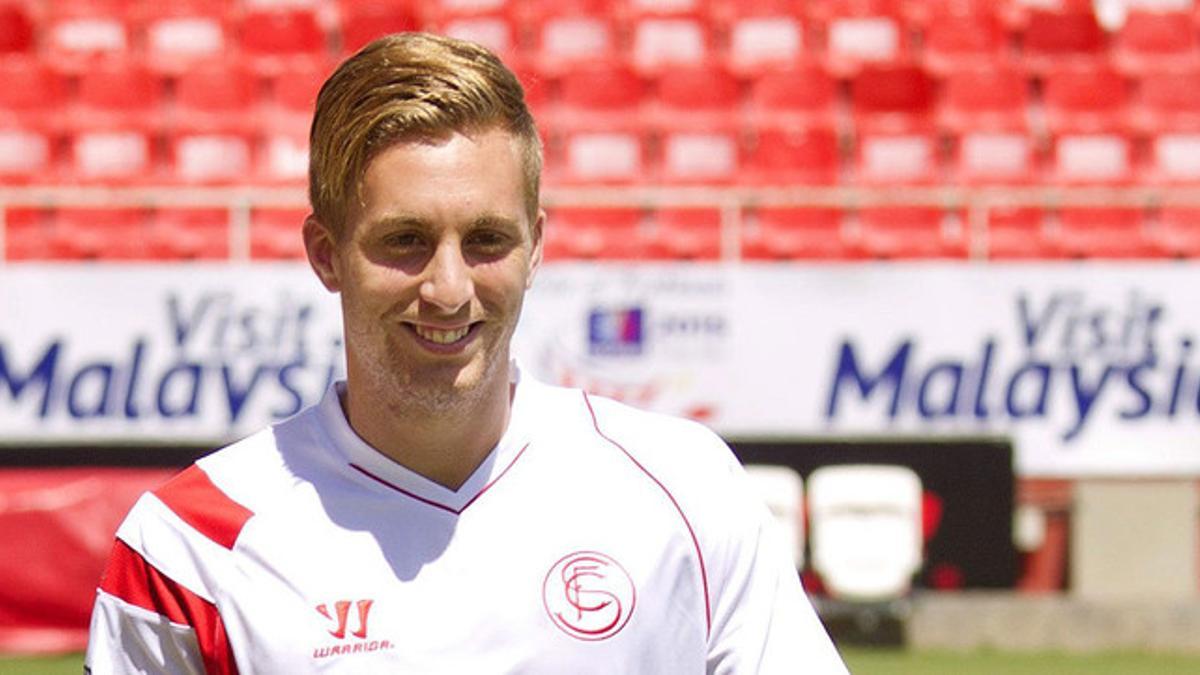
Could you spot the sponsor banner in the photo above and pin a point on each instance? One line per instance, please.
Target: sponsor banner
(1090, 368)
(154, 353)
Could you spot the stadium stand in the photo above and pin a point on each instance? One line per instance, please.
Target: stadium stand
(716, 95)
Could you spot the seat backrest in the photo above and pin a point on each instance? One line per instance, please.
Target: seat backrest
(782, 490)
(865, 529)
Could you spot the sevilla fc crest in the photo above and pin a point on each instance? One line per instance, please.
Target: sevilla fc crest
(589, 595)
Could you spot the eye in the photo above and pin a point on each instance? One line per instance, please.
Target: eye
(403, 240)
(488, 241)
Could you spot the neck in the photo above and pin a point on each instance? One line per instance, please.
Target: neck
(444, 445)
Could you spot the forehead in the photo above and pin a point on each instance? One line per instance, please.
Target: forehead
(458, 176)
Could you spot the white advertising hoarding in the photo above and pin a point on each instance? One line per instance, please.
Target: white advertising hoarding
(1090, 368)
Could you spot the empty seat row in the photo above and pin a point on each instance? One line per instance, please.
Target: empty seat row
(652, 36)
(668, 233)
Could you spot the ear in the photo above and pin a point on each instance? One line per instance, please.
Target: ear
(321, 248)
(539, 236)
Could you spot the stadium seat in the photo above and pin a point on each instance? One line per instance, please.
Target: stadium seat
(100, 233)
(695, 119)
(1084, 98)
(892, 98)
(363, 22)
(764, 41)
(890, 158)
(189, 234)
(275, 39)
(17, 31)
(1167, 101)
(782, 490)
(792, 156)
(964, 36)
(31, 102)
(598, 154)
(988, 99)
(865, 530)
(860, 32)
(596, 233)
(1178, 231)
(1105, 232)
(1052, 39)
(28, 234)
(1102, 158)
(181, 35)
(210, 156)
(796, 233)
(496, 31)
(573, 37)
(889, 232)
(1174, 159)
(219, 94)
(113, 155)
(995, 157)
(686, 233)
(604, 94)
(275, 233)
(1154, 41)
(74, 35)
(1019, 233)
(119, 93)
(793, 98)
(662, 44)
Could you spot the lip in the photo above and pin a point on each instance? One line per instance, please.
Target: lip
(444, 349)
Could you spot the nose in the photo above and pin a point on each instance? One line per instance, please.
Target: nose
(447, 284)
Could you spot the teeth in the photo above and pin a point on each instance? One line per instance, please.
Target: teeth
(442, 337)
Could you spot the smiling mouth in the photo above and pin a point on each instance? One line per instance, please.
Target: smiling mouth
(442, 336)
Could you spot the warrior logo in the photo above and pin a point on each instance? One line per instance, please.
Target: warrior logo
(589, 595)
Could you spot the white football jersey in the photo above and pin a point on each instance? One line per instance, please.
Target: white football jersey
(595, 538)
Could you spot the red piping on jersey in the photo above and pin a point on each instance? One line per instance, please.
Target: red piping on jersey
(667, 492)
(192, 496)
(438, 505)
(132, 579)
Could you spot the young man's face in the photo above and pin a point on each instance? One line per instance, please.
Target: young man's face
(434, 269)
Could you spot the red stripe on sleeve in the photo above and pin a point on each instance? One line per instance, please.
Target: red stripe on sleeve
(132, 579)
(199, 503)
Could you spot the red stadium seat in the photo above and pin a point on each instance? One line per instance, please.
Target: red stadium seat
(1052, 39)
(994, 99)
(764, 41)
(113, 155)
(600, 94)
(1151, 41)
(115, 93)
(910, 232)
(17, 33)
(686, 233)
(31, 103)
(884, 158)
(181, 35)
(573, 37)
(189, 234)
(100, 233)
(892, 98)
(275, 233)
(1092, 158)
(995, 157)
(861, 32)
(1174, 158)
(587, 233)
(792, 98)
(964, 36)
(1178, 231)
(76, 34)
(1168, 101)
(363, 22)
(1085, 98)
(210, 156)
(597, 127)
(662, 44)
(1105, 232)
(694, 116)
(793, 156)
(28, 234)
(275, 39)
(599, 155)
(1019, 233)
(222, 94)
(497, 31)
(796, 233)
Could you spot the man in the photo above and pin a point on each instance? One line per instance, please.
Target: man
(439, 511)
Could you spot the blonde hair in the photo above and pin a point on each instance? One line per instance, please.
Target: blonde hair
(407, 87)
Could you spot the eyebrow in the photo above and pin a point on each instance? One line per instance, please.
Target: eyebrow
(486, 220)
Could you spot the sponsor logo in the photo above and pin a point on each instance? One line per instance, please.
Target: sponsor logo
(616, 331)
(356, 640)
(588, 595)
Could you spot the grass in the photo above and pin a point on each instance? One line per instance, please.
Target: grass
(860, 661)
